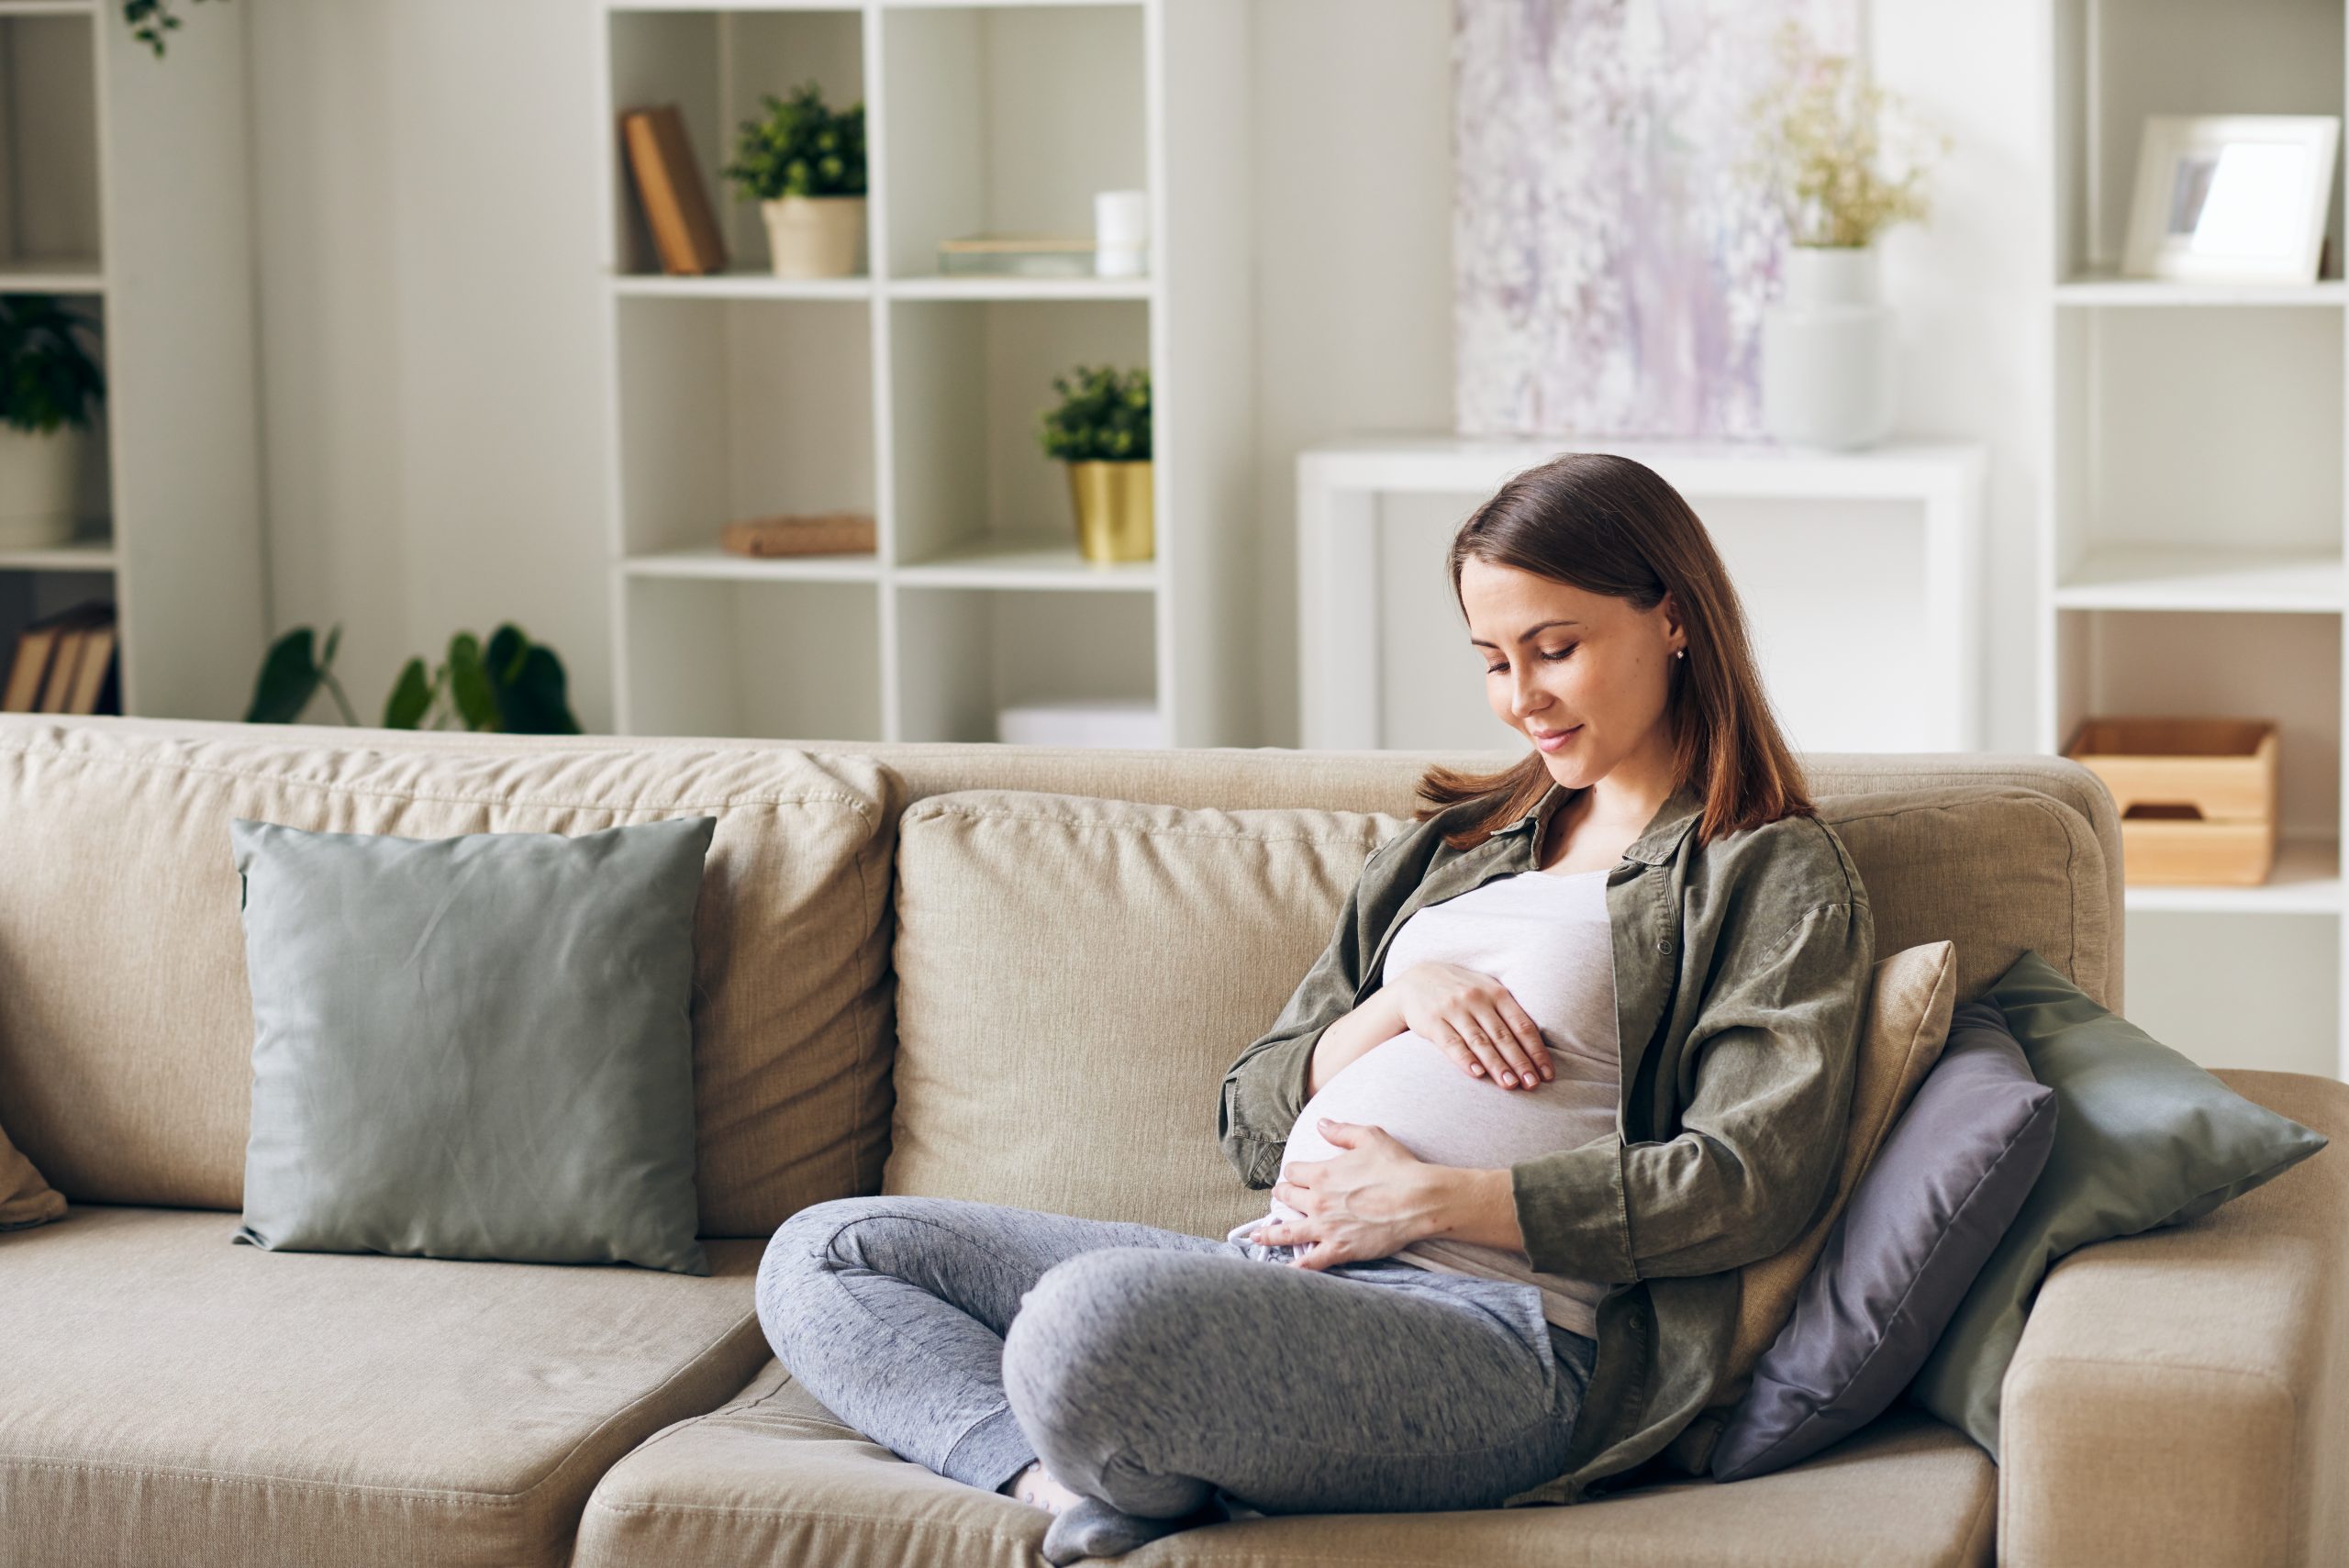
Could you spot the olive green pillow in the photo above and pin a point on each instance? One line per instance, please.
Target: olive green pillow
(476, 1047)
(2144, 1138)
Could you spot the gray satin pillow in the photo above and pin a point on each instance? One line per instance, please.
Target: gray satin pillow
(476, 1047)
(2144, 1138)
(1926, 1213)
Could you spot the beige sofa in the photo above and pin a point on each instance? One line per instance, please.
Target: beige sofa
(913, 968)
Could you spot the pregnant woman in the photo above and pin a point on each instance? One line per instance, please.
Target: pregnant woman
(1580, 1047)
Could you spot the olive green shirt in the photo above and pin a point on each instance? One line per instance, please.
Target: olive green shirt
(1742, 976)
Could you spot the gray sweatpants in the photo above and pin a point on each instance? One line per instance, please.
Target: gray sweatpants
(1149, 1368)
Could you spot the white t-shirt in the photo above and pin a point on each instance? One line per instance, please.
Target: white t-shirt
(1545, 937)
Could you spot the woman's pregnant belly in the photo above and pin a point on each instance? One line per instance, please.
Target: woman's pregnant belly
(1431, 1104)
(1427, 1103)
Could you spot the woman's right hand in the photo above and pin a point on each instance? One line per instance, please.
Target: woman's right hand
(1472, 1018)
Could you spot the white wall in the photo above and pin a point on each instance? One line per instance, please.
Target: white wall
(1353, 262)
(1353, 224)
(430, 364)
(427, 198)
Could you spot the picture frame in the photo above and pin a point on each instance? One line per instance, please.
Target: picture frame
(2231, 198)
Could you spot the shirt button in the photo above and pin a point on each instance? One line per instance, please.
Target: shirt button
(1664, 945)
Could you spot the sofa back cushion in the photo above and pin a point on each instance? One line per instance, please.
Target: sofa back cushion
(1073, 977)
(1997, 870)
(125, 1024)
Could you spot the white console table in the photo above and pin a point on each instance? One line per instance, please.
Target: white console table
(1339, 638)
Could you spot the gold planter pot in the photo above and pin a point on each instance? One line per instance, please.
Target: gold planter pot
(1114, 512)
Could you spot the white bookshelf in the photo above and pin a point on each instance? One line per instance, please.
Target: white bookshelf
(915, 395)
(124, 188)
(2192, 511)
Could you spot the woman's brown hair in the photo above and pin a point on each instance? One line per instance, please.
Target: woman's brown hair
(1608, 525)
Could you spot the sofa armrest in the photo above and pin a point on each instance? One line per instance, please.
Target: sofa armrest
(2182, 1396)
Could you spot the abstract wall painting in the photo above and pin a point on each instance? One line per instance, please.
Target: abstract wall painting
(1610, 262)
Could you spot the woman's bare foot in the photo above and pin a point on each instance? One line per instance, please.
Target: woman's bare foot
(1037, 1486)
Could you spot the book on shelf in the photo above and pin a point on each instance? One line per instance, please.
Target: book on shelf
(668, 182)
(820, 533)
(60, 664)
(96, 685)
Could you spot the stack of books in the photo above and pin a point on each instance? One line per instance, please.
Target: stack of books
(65, 663)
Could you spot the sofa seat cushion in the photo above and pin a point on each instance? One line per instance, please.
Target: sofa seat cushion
(772, 1477)
(173, 1398)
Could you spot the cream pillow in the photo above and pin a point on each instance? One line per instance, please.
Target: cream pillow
(1910, 998)
(25, 1198)
(1075, 975)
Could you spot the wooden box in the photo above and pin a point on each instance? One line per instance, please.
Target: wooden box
(2197, 797)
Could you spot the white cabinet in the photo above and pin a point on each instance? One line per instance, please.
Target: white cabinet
(1868, 629)
(916, 395)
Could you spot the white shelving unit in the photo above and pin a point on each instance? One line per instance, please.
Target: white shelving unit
(123, 188)
(2191, 543)
(916, 395)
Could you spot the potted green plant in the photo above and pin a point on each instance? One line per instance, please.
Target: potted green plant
(804, 164)
(1843, 161)
(1101, 430)
(513, 684)
(49, 381)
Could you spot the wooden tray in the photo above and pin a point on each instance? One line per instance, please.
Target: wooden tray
(2197, 797)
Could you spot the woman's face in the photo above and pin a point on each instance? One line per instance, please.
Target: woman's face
(1581, 675)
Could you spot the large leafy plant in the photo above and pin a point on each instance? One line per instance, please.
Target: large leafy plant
(1840, 156)
(800, 148)
(1104, 416)
(48, 377)
(513, 684)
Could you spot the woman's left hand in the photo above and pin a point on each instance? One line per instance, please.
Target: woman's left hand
(1372, 1201)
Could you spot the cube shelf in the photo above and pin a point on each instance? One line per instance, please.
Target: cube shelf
(918, 395)
(102, 157)
(2192, 509)
(975, 647)
(790, 659)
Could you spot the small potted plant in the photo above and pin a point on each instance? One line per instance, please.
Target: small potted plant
(49, 381)
(1101, 430)
(1843, 161)
(804, 164)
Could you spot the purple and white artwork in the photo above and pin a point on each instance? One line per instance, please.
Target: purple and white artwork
(1611, 262)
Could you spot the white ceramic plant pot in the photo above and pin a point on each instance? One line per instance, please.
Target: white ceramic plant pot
(814, 237)
(1827, 351)
(37, 477)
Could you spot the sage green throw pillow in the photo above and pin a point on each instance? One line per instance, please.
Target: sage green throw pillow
(2144, 1138)
(477, 1046)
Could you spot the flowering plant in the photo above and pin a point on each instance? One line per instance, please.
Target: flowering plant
(1840, 156)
